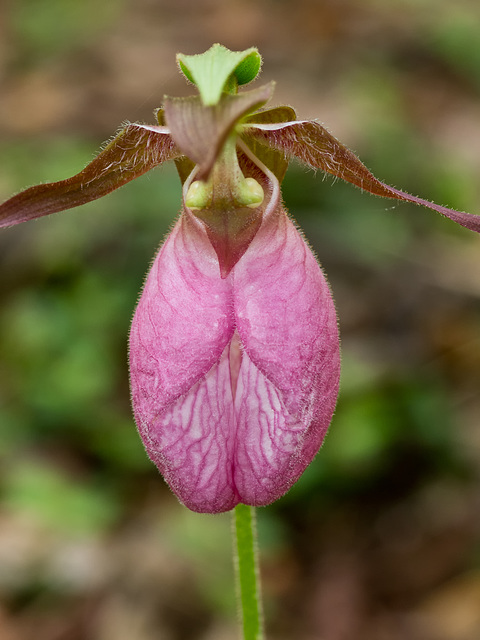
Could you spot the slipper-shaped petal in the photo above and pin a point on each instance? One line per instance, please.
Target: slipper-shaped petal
(234, 380)
(182, 325)
(288, 380)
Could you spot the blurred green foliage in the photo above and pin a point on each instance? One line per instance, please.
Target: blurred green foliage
(53, 27)
(60, 502)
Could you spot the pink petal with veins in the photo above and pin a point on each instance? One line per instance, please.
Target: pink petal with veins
(234, 380)
(288, 382)
(181, 327)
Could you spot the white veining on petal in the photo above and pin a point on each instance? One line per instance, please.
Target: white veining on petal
(234, 380)
(286, 321)
(195, 438)
(267, 435)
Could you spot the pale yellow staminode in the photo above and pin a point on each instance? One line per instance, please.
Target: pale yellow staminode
(248, 193)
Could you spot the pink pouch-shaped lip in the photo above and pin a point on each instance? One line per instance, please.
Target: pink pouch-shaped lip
(234, 380)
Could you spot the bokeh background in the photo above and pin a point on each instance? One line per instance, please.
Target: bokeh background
(380, 539)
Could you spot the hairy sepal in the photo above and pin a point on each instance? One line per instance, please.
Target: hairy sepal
(315, 146)
(133, 151)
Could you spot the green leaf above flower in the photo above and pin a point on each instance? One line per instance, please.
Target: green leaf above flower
(220, 70)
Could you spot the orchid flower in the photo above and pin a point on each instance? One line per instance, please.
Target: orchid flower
(234, 346)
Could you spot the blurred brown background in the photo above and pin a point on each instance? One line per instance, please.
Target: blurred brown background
(380, 540)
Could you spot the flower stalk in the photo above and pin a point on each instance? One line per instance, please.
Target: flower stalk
(247, 572)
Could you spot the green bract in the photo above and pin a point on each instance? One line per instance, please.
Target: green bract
(220, 70)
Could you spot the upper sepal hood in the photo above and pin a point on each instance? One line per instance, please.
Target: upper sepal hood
(201, 131)
(312, 144)
(215, 190)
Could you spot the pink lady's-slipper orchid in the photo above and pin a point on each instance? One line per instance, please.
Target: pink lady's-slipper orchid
(234, 349)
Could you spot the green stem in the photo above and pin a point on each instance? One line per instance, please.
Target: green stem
(248, 584)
